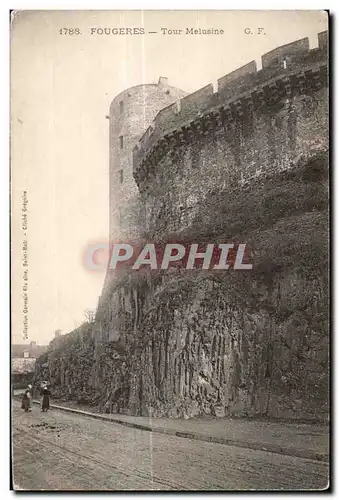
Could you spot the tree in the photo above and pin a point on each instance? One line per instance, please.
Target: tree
(89, 315)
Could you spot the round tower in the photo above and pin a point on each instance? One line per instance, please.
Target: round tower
(131, 113)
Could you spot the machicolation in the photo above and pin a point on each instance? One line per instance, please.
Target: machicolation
(286, 71)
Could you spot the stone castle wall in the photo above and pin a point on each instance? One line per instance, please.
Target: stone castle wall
(242, 97)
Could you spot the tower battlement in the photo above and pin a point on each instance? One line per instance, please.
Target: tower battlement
(288, 69)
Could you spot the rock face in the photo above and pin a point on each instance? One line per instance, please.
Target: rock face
(240, 343)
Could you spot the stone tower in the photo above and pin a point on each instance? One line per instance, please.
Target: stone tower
(131, 113)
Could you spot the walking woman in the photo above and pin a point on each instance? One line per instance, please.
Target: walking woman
(26, 399)
(45, 398)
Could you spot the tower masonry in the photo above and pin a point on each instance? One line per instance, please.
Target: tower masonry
(131, 113)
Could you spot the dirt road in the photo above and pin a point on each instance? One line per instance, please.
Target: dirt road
(60, 451)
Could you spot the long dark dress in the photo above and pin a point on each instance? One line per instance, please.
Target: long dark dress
(26, 400)
(45, 399)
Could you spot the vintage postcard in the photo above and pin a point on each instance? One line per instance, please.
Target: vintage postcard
(170, 250)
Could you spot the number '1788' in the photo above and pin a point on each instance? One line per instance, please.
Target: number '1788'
(69, 31)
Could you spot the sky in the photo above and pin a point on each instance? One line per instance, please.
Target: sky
(61, 89)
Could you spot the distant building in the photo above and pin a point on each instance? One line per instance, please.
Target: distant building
(23, 362)
(31, 350)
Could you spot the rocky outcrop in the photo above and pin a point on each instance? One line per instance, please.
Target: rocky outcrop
(87, 372)
(200, 343)
(240, 343)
